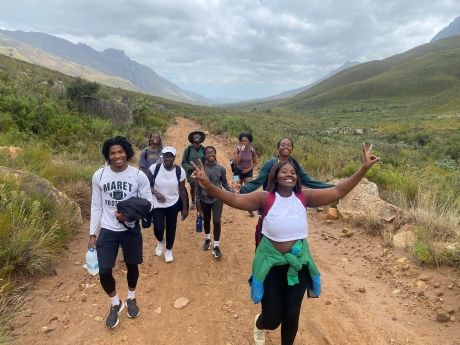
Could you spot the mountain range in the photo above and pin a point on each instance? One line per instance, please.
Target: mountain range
(113, 68)
(421, 79)
(111, 62)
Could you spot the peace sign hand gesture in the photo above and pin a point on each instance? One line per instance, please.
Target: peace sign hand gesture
(368, 158)
(199, 175)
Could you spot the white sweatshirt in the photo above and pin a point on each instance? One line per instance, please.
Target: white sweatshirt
(110, 187)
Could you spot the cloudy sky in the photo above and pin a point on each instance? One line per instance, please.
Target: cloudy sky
(238, 48)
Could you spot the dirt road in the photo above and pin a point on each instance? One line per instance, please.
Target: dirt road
(371, 295)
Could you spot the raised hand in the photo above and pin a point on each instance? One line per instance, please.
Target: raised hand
(199, 175)
(368, 158)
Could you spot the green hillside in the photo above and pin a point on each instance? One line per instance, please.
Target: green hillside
(404, 80)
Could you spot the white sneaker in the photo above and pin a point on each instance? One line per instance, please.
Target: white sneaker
(168, 255)
(159, 248)
(259, 334)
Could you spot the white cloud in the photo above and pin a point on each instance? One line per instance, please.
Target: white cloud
(212, 45)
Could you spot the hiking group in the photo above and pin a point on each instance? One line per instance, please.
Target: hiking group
(283, 270)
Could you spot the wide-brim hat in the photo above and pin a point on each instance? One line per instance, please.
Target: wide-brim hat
(200, 133)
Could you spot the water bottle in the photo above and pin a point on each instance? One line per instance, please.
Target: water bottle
(199, 223)
(91, 261)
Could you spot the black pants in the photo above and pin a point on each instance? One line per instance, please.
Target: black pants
(166, 218)
(281, 303)
(216, 210)
(108, 282)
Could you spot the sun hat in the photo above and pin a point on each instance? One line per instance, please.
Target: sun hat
(200, 133)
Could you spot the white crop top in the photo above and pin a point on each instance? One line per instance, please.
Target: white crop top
(286, 220)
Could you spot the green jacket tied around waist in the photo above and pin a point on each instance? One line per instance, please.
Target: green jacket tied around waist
(267, 257)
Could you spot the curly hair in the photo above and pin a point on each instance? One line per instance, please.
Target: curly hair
(273, 175)
(118, 140)
(245, 135)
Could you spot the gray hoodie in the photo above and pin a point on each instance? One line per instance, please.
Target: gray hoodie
(217, 175)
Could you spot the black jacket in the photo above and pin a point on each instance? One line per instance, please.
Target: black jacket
(136, 209)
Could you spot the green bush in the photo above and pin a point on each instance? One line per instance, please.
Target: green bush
(6, 122)
(79, 88)
(32, 230)
(423, 253)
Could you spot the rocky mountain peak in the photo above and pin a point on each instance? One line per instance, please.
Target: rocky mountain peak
(452, 29)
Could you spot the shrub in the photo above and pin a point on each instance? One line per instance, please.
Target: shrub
(422, 253)
(79, 88)
(32, 230)
(6, 122)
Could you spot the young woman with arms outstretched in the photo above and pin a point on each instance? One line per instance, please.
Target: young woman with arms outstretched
(281, 271)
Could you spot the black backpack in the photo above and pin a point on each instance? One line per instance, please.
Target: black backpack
(178, 172)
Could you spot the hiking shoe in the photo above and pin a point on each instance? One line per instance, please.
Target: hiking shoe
(192, 206)
(217, 253)
(207, 244)
(133, 309)
(168, 255)
(159, 248)
(251, 213)
(113, 319)
(259, 334)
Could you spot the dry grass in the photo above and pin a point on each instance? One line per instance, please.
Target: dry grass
(442, 220)
(372, 224)
(437, 225)
(10, 302)
(80, 192)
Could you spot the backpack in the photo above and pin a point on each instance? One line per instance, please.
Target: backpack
(189, 149)
(178, 172)
(269, 201)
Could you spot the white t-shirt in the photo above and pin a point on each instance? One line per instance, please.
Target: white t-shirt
(167, 185)
(110, 187)
(286, 220)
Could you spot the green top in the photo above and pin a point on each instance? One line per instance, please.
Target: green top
(191, 154)
(262, 178)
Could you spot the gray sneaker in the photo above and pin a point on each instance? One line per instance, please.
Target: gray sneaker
(216, 252)
(113, 318)
(207, 244)
(133, 309)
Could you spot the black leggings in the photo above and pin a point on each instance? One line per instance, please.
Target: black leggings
(166, 218)
(281, 303)
(216, 209)
(108, 282)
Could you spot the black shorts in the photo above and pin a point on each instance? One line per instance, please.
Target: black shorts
(109, 241)
(241, 174)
